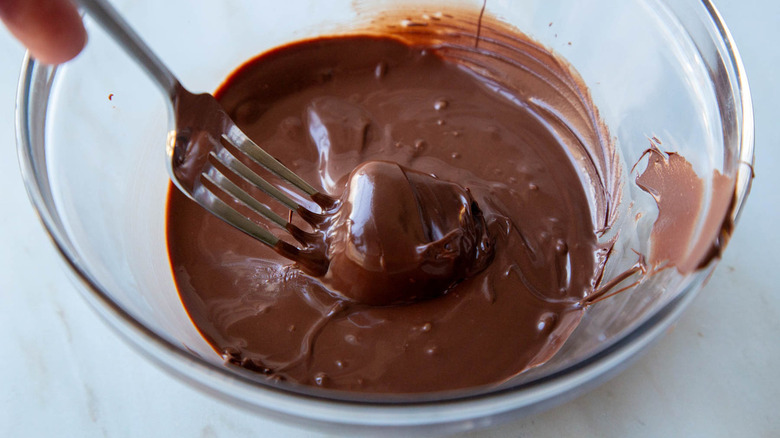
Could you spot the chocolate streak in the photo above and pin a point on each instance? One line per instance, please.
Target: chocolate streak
(505, 121)
(680, 195)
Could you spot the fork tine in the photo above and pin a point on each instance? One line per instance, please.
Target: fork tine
(237, 137)
(228, 214)
(309, 260)
(219, 180)
(228, 160)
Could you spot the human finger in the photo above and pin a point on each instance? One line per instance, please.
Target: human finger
(51, 29)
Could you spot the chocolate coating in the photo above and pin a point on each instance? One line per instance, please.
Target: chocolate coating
(401, 236)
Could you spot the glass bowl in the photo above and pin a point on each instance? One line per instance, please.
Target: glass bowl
(92, 136)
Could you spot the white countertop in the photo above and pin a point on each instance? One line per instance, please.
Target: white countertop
(64, 373)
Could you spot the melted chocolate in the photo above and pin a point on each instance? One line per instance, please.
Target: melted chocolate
(493, 137)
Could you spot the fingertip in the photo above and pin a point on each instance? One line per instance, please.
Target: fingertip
(51, 29)
(68, 45)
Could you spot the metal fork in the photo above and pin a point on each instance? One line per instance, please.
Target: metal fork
(205, 147)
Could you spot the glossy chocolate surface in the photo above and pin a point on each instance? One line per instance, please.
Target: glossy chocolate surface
(506, 128)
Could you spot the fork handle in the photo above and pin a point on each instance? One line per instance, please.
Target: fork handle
(112, 22)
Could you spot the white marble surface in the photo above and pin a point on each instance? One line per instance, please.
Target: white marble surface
(64, 373)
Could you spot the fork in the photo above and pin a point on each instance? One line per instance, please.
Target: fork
(206, 147)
